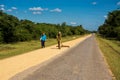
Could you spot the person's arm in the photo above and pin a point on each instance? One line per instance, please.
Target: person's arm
(40, 38)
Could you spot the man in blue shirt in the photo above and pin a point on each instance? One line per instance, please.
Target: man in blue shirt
(43, 39)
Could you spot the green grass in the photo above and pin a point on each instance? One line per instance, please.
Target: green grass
(111, 50)
(9, 50)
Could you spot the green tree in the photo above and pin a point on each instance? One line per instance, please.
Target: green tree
(13, 30)
(1, 37)
(113, 18)
(117, 30)
(8, 25)
(110, 28)
(23, 34)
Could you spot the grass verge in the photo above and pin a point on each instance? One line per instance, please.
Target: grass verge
(111, 51)
(9, 50)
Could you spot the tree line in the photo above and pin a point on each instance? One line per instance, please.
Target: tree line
(111, 26)
(14, 30)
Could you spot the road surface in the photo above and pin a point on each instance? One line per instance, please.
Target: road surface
(83, 62)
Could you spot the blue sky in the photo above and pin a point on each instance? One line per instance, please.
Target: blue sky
(88, 13)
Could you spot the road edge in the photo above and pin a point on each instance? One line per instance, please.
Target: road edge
(105, 61)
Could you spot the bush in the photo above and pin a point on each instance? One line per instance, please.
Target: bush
(1, 38)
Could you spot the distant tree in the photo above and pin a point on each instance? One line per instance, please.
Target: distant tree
(8, 25)
(113, 18)
(1, 37)
(64, 29)
(29, 26)
(110, 28)
(78, 30)
(117, 30)
(23, 34)
(14, 30)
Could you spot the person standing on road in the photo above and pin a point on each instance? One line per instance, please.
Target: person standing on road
(43, 39)
(59, 35)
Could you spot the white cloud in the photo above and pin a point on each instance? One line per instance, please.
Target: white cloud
(2, 5)
(105, 16)
(73, 23)
(36, 9)
(56, 10)
(14, 8)
(2, 9)
(9, 10)
(37, 12)
(94, 3)
(118, 3)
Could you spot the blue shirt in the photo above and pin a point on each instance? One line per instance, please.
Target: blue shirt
(43, 37)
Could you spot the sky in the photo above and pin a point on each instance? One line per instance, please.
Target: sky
(88, 13)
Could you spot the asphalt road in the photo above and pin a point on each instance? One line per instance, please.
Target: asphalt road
(83, 62)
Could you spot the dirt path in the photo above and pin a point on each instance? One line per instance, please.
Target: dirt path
(11, 66)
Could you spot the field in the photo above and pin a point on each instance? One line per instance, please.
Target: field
(111, 51)
(9, 50)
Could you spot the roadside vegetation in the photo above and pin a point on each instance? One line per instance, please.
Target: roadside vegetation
(109, 41)
(13, 49)
(13, 30)
(111, 51)
(111, 26)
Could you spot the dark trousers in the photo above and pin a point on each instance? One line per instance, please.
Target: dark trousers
(42, 43)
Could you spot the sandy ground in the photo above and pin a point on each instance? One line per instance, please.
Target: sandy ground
(11, 66)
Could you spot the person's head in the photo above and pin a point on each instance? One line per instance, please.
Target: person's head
(59, 32)
(43, 33)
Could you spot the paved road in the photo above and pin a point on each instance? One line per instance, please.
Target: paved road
(83, 62)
